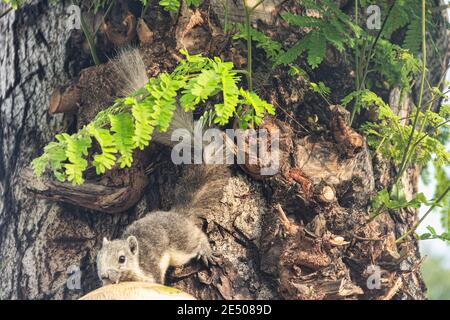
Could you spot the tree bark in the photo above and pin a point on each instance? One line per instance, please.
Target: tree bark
(298, 235)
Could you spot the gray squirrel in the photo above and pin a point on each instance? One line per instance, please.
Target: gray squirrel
(163, 238)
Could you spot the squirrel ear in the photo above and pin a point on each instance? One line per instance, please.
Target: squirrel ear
(133, 244)
(105, 241)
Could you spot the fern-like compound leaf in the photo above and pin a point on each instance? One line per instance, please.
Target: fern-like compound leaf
(199, 89)
(259, 106)
(230, 92)
(131, 121)
(123, 128)
(77, 147)
(107, 159)
(144, 125)
(316, 49)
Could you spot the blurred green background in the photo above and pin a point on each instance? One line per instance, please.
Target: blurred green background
(436, 266)
(436, 273)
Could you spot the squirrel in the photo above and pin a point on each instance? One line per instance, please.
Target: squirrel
(166, 238)
(163, 238)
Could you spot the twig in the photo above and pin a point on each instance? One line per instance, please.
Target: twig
(291, 117)
(90, 40)
(365, 239)
(414, 227)
(105, 15)
(392, 291)
(403, 163)
(6, 12)
(372, 47)
(248, 12)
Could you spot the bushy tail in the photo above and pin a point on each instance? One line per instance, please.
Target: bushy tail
(129, 69)
(201, 186)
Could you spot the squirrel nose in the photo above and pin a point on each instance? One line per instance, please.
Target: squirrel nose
(110, 276)
(104, 276)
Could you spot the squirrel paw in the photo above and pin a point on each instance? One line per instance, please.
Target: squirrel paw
(209, 258)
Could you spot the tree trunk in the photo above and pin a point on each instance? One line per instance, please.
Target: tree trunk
(298, 235)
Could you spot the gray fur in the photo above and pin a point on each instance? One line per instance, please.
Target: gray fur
(163, 238)
(166, 238)
(130, 70)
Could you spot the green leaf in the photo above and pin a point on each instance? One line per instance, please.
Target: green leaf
(130, 122)
(76, 151)
(260, 106)
(143, 122)
(316, 49)
(230, 92)
(106, 159)
(199, 89)
(333, 36)
(123, 128)
(163, 91)
(320, 88)
(294, 52)
(301, 21)
(194, 3)
(170, 5)
(413, 37)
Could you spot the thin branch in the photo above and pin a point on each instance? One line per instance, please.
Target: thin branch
(256, 5)
(248, 13)
(104, 16)
(6, 12)
(90, 40)
(442, 196)
(403, 163)
(372, 47)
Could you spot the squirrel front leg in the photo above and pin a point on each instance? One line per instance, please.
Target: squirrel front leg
(205, 253)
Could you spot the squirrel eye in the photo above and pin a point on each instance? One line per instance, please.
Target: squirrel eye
(122, 259)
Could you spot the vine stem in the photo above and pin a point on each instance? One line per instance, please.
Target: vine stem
(6, 12)
(406, 157)
(378, 212)
(226, 14)
(403, 163)
(369, 56)
(414, 227)
(249, 46)
(90, 40)
(248, 15)
(356, 63)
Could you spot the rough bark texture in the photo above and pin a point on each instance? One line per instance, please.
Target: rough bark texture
(299, 235)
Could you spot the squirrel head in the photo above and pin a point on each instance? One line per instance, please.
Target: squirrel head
(118, 260)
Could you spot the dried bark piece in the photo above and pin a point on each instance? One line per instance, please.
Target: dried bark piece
(343, 133)
(305, 184)
(189, 34)
(339, 289)
(338, 241)
(64, 99)
(277, 134)
(108, 199)
(119, 36)
(144, 33)
(327, 194)
(393, 289)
